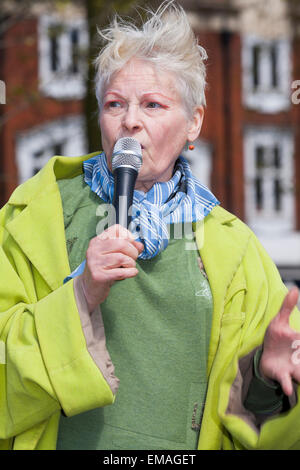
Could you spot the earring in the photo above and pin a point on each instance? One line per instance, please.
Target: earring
(191, 147)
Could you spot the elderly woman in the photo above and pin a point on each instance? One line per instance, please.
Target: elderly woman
(194, 348)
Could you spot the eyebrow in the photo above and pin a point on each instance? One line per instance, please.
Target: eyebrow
(157, 93)
(112, 92)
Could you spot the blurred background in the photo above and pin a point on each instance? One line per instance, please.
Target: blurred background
(248, 152)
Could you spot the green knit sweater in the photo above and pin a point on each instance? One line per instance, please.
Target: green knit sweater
(157, 327)
(157, 333)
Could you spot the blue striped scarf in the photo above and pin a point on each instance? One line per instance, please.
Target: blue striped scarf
(181, 199)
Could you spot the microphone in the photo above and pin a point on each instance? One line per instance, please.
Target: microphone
(126, 163)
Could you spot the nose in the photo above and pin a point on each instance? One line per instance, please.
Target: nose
(132, 120)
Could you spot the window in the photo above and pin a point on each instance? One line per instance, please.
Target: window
(35, 147)
(268, 165)
(75, 36)
(266, 74)
(2, 92)
(200, 161)
(62, 57)
(269, 180)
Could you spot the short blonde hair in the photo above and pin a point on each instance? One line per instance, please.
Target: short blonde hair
(165, 39)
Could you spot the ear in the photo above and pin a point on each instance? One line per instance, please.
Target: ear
(195, 124)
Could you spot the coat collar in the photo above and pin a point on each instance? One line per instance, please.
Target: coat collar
(34, 228)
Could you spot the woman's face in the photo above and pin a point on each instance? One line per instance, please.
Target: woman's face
(144, 103)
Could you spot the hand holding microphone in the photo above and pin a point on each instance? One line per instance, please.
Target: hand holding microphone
(111, 256)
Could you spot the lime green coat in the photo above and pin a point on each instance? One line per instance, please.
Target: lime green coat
(44, 362)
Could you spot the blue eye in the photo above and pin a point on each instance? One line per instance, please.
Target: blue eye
(114, 104)
(153, 105)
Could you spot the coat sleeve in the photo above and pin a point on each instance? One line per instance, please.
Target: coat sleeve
(260, 302)
(45, 365)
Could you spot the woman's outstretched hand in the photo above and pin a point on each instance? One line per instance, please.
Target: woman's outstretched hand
(111, 256)
(279, 360)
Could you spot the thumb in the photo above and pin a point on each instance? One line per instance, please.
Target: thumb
(286, 384)
(289, 303)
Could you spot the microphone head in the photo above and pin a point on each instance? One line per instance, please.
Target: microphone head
(127, 152)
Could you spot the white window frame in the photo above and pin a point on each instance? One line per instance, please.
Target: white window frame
(62, 83)
(200, 160)
(68, 133)
(268, 220)
(265, 97)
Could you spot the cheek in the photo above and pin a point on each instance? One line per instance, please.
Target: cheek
(172, 137)
(158, 137)
(108, 133)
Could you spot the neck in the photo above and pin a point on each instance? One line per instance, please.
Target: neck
(145, 187)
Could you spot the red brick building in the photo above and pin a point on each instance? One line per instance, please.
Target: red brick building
(249, 147)
(252, 123)
(45, 85)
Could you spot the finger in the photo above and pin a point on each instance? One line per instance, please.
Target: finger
(118, 274)
(286, 385)
(296, 375)
(139, 246)
(117, 260)
(289, 303)
(99, 247)
(116, 231)
(126, 247)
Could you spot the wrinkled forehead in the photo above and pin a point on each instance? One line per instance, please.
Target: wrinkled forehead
(143, 76)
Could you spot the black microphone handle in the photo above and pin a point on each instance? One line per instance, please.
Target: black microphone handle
(124, 180)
